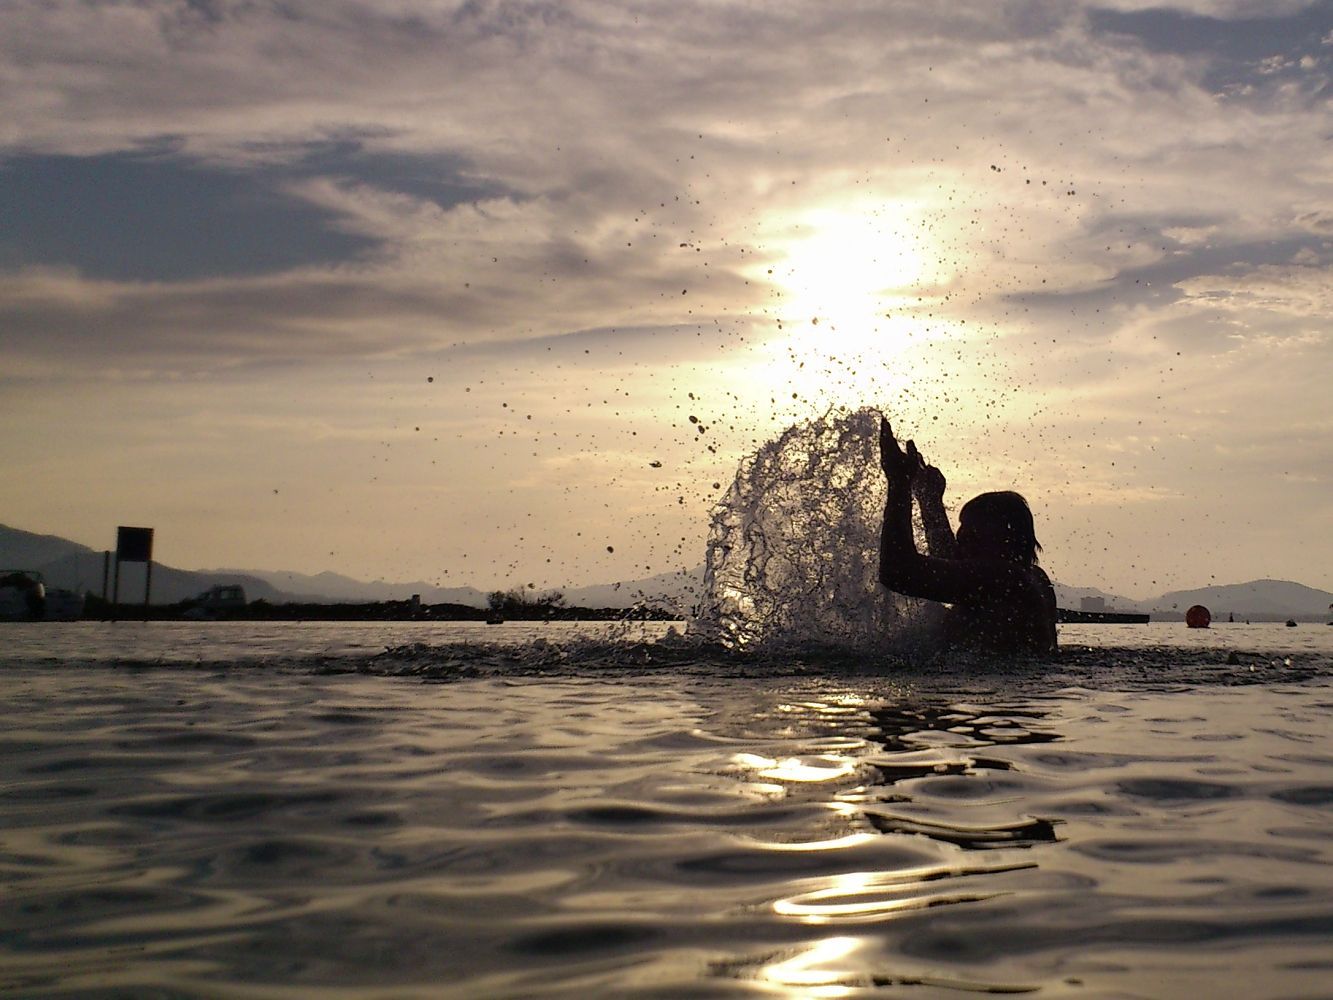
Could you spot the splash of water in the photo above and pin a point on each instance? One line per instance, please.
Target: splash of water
(793, 550)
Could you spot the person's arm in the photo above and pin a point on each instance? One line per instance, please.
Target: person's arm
(897, 547)
(928, 486)
(904, 570)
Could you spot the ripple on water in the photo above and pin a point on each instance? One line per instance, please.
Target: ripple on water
(279, 860)
(580, 938)
(754, 860)
(606, 838)
(225, 807)
(1173, 849)
(1021, 833)
(42, 793)
(1178, 789)
(626, 814)
(1305, 795)
(171, 738)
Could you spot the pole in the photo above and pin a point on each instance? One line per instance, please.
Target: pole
(147, 582)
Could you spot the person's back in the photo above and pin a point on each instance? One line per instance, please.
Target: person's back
(1021, 621)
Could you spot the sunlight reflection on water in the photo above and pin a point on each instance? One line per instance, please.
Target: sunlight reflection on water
(674, 832)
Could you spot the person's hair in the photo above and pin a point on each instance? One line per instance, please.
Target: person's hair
(1007, 513)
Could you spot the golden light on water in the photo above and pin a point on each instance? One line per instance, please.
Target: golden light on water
(825, 767)
(818, 971)
(868, 897)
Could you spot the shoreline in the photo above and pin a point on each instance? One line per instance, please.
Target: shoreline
(371, 611)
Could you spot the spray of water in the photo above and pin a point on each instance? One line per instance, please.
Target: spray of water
(793, 551)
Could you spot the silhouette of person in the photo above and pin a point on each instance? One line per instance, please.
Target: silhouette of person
(1001, 600)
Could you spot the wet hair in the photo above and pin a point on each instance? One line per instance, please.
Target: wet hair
(1006, 513)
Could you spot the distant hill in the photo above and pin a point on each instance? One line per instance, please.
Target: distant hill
(25, 550)
(677, 591)
(1257, 600)
(169, 584)
(336, 588)
(78, 567)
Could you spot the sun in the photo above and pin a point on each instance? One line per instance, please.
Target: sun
(850, 267)
(848, 282)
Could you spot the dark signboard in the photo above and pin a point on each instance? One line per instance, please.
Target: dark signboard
(134, 544)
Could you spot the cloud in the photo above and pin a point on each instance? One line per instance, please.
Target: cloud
(153, 218)
(1293, 290)
(604, 160)
(81, 324)
(1233, 10)
(1316, 221)
(486, 190)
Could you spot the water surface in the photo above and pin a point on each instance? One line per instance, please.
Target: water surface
(261, 810)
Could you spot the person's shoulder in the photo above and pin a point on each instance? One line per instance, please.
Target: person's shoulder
(1042, 581)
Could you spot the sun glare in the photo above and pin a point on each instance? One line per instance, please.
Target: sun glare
(847, 282)
(849, 268)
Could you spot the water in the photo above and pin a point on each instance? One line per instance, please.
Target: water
(293, 810)
(793, 798)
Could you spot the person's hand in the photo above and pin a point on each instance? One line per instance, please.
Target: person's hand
(899, 466)
(927, 481)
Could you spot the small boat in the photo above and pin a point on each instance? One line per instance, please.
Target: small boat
(24, 596)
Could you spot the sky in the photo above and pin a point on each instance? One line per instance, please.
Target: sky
(501, 292)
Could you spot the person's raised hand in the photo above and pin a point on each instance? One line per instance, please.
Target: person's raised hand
(927, 481)
(897, 465)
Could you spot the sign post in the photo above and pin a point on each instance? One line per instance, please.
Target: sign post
(134, 545)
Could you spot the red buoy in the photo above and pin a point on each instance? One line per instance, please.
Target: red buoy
(1198, 617)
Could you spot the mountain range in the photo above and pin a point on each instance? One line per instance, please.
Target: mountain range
(73, 566)
(77, 567)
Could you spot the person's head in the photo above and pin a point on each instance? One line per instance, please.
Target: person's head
(998, 526)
